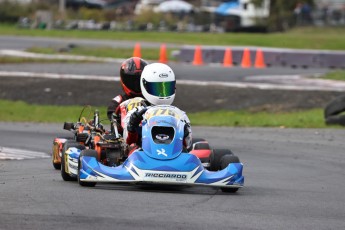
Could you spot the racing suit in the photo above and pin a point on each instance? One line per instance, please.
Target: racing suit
(113, 106)
(113, 111)
(133, 118)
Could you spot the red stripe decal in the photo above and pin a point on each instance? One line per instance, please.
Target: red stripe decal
(137, 62)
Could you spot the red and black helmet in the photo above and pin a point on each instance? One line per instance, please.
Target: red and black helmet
(130, 73)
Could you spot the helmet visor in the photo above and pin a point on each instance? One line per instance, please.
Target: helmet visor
(160, 89)
(132, 82)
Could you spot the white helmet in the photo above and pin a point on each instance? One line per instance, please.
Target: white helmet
(157, 84)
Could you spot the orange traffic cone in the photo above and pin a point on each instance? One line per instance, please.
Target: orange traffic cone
(137, 52)
(259, 59)
(198, 56)
(163, 54)
(227, 61)
(246, 62)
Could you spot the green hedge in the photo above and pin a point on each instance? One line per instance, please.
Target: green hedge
(11, 11)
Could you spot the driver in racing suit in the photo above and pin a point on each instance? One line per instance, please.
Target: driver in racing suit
(158, 88)
(130, 72)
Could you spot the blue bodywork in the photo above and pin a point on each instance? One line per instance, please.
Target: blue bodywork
(162, 163)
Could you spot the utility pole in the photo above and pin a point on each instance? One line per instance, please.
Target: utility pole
(62, 8)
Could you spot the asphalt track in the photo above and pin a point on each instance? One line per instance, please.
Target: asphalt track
(294, 177)
(24, 42)
(293, 180)
(183, 71)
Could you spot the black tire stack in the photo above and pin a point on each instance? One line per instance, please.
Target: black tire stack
(333, 112)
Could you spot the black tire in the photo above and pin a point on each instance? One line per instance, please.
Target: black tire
(335, 120)
(90, 153)
(57, 166)
(68, 144)
(224, 162)
(335, 107)
(216, 156)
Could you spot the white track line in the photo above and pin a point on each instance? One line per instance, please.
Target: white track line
(19, 53)
(58, 76)
(20, 154)
(322, 85)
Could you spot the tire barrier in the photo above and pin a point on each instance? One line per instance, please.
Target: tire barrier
(263, 57)
(333, 112)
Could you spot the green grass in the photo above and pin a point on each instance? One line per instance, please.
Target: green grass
(42, 50)
(305, 38)
(106, 52)
(297, 119)
(335, 75)
(18, 111)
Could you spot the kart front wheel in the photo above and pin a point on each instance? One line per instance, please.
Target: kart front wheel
(89, 153)
(68, 144)
(216, 156)
(224, 162)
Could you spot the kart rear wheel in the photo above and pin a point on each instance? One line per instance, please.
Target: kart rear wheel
(89, 153)
(216, 156)
(224, 162)
(57, 166)
(68, 144)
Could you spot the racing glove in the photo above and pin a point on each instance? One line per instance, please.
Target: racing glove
(135, 120)
(115, 117)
